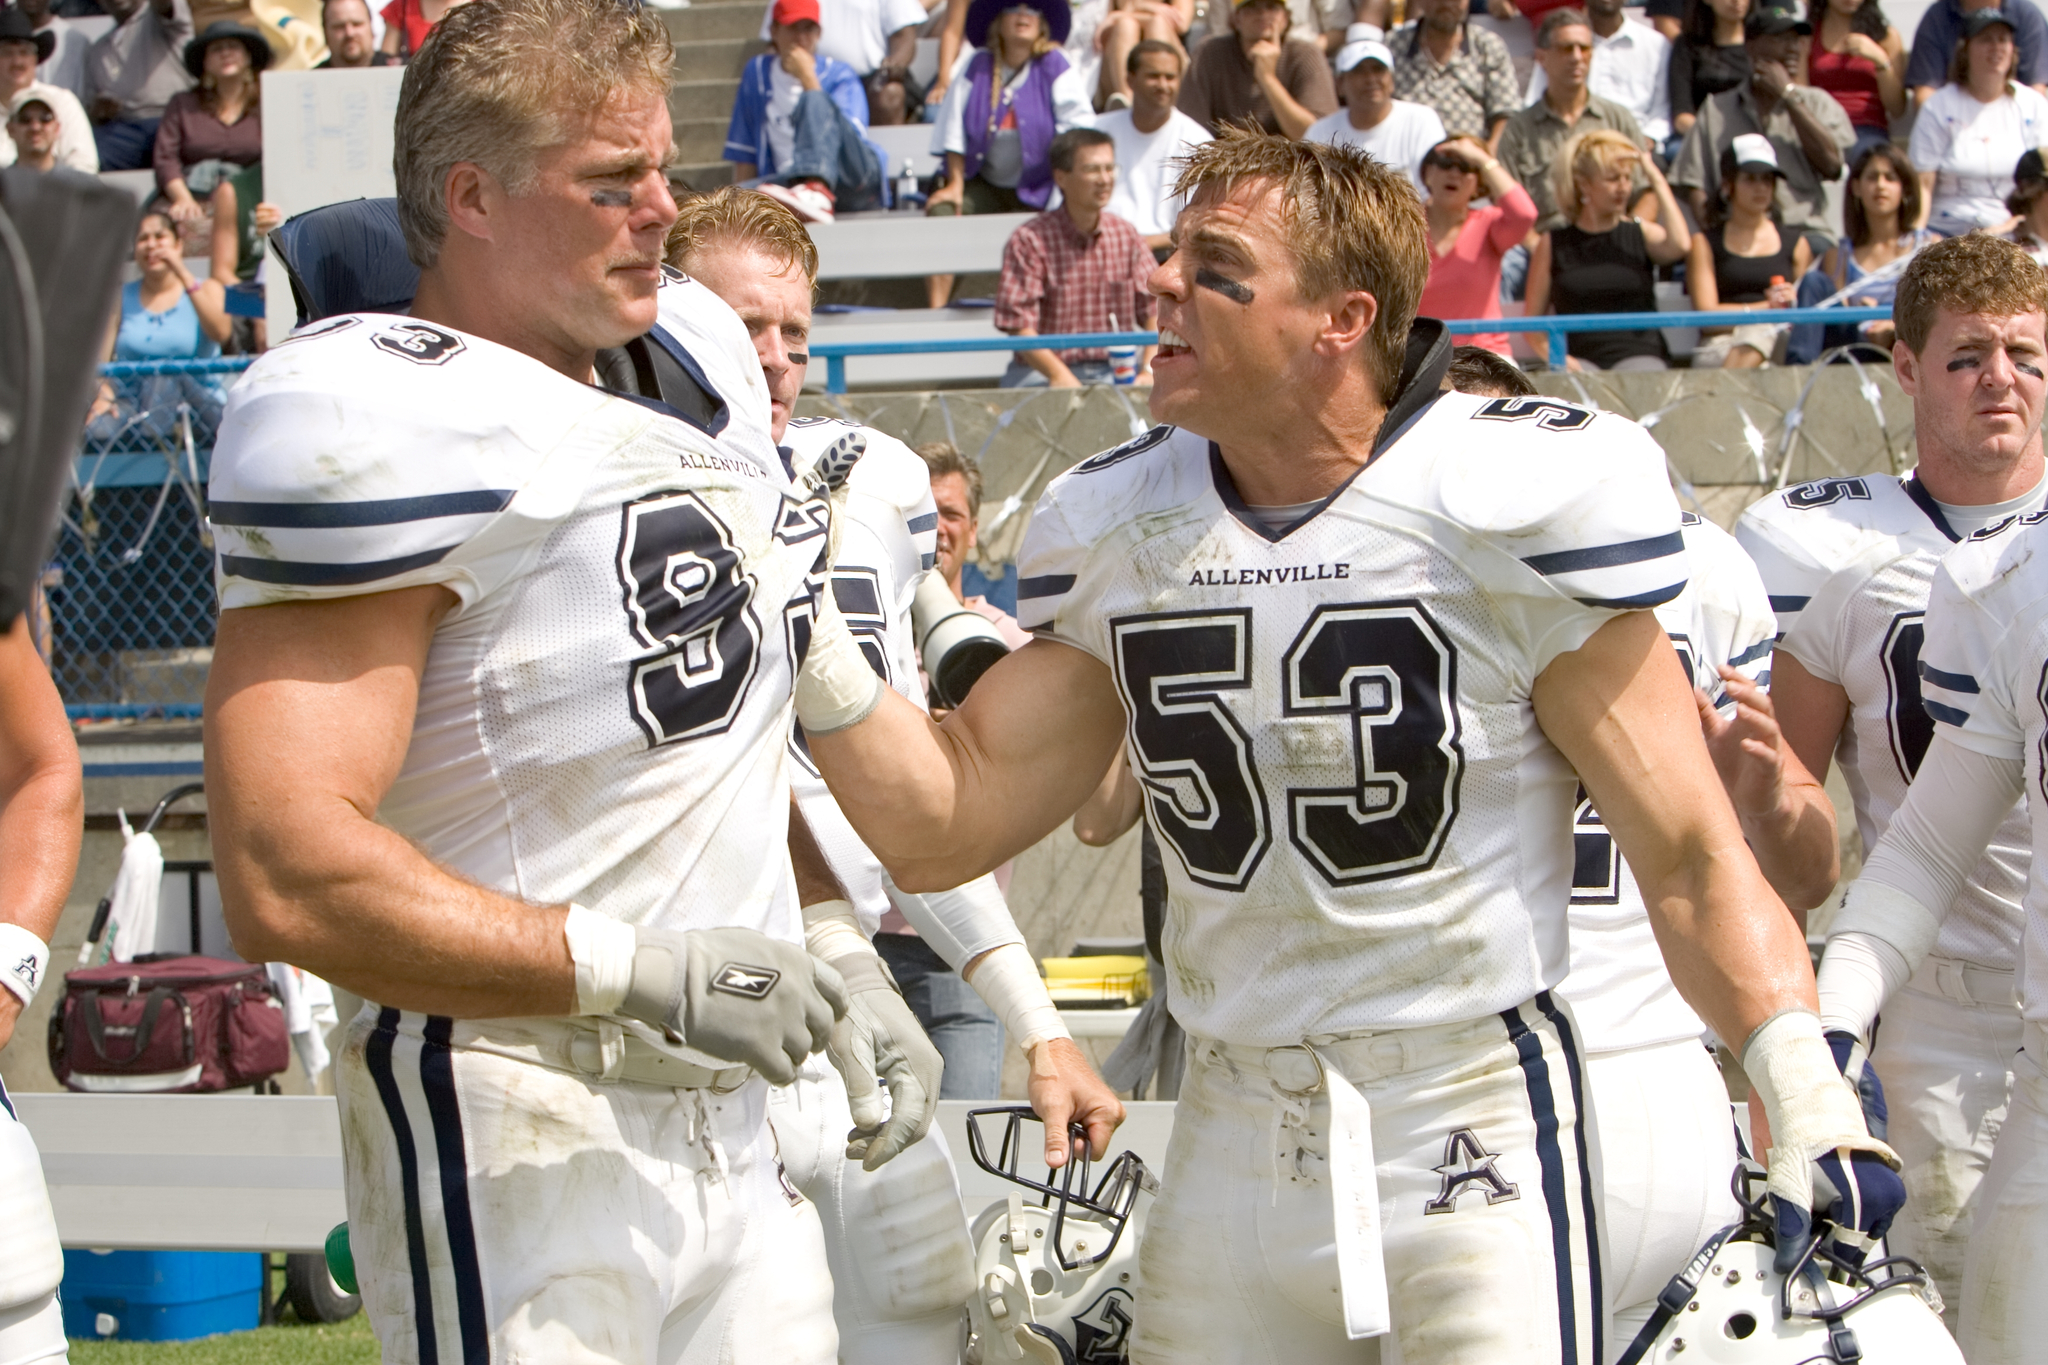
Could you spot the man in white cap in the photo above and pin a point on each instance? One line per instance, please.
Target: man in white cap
(1392, 132)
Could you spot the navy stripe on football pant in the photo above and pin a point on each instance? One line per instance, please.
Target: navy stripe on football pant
(310, 516)
(1575, 1069)
(437, 1079)
(1550, 1159)
(377, 1058)
(1952, 682)
(303, 574)
(1607, 556)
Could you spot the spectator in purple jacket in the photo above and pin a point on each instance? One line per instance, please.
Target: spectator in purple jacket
(799, 123)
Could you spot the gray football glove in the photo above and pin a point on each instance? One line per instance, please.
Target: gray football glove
(737, 995)
(880, 1036)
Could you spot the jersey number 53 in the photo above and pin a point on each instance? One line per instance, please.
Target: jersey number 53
(1381, 674)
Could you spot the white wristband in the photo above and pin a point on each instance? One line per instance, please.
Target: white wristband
(1858, 974)
(1008, 980)
(24, 959)
(602, 949)
(832, 931)
(837, 687)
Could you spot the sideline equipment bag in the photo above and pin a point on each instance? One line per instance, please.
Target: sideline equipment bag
(168, 1024)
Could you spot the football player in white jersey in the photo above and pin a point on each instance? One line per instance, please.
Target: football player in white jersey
(1972, 354)
(497, 738)
(42, 818)
(1661, 1109)
(1358, 636)
(1848, 562)
(895, 1233)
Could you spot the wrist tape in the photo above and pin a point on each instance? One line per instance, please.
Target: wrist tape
(1008, 980)
(837, 686)
(602, 949)
(24, 959)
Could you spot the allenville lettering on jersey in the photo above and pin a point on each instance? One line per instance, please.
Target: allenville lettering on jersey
(696, 459)
(1253, 578)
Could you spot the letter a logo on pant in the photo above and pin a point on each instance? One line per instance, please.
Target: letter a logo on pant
(1467, 1163)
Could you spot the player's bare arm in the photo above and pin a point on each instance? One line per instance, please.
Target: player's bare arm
(42, 816)
(1106, 816)
(309, 712)
(1785, 812)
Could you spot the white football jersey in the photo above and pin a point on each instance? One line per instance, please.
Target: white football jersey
(1362, 825)
(1619, 988)
(1987, 635)
(604, 717)
(701, 332)
(887, 545)
(1848, 563)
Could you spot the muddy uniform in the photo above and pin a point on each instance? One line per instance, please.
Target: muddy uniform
(1368, 852)
(603, 718)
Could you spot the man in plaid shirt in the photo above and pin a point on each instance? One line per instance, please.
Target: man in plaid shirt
(1075, 268)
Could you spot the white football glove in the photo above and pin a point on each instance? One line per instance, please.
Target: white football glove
(879, 1036)
(737, 995)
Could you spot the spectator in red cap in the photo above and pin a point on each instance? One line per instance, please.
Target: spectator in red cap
(799, 123)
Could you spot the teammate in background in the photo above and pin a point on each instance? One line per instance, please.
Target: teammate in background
(496, 738)
(1926, 933)
(1667, 1148)
(1848, 563)
(1360, 641)
(42, 819)
(896, 1236)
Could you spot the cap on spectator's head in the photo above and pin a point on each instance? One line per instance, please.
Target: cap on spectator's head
(1059, 19)
(258, 47)
(25, 99)
(1977, 21)
(1364, 33)
(1366, 50)
(17, 27)
(798, 12)
(1236, 5)
(2032, 166)
(1774, 17)
(1753, 152)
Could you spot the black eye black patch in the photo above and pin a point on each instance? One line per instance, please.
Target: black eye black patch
(2027, 367)
(612, 199)
(1962, 362)
(799, 358)
(1229, 289)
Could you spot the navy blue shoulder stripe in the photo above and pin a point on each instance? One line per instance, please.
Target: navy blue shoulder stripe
(1608, 556)
(919, 525)
(1788, 602)
(1044, 585)
(927, 561)
(1954, 682)
(316, 516)
(1752, 654)
(301, 574)
(1656, 597)
(1947, 715)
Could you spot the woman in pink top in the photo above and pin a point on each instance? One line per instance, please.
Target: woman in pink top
(1466, 243)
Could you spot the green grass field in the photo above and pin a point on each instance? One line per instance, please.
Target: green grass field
(293, 1343)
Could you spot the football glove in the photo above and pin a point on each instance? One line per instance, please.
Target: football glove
(881, 1037)
(737, 995)
(1852, 1059)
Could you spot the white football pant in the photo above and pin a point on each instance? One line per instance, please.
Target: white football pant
(1488, 1187)
(505, 1208)
(31, 1261)
(896, 1238)
(1667, 1154)
(1945, 1045)
(2004, 1312)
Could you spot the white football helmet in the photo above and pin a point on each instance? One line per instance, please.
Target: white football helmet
(1731, 1306)
(1054, 1279)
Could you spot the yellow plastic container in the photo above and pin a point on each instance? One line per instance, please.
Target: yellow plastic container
(1098, 983)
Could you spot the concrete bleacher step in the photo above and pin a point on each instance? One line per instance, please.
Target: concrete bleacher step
(701, 99)
(714, 59)
(700, 141)
(700, 23)
(705, 176)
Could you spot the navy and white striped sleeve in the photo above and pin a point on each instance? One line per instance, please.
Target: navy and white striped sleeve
(1791, 574)
(1049, 567)
(305, 507)
(1962, 680)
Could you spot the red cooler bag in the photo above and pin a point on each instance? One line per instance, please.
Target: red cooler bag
(173, 1024)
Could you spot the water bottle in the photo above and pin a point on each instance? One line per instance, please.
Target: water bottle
(907, 194)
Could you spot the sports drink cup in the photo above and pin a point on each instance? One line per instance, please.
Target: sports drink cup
(1123, 364)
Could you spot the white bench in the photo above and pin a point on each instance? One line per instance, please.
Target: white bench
(910, 324)
(263, 1172)
(868, 246)
(903, 142)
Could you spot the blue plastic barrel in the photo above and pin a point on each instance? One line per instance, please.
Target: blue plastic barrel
(160, 1295)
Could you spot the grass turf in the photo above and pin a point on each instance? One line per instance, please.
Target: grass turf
(292, 1343)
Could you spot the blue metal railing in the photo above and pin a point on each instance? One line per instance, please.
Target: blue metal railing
(1556, 326)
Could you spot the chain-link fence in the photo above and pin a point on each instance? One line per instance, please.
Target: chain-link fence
(129, 589)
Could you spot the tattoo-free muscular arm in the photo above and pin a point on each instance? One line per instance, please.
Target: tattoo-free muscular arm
(309, 712)
(42, 799)
(942, 804)
(1624, 718)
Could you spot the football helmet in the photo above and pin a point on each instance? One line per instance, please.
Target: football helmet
(1055, 1276)
(1731, 1306)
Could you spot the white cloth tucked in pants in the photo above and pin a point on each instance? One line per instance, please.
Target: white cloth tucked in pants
(2004, 1316)
(1945, 1045)
(31, 1261)
(1667, 1154)
(1488, 1186)
(505, 1210)
(896, 1238)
